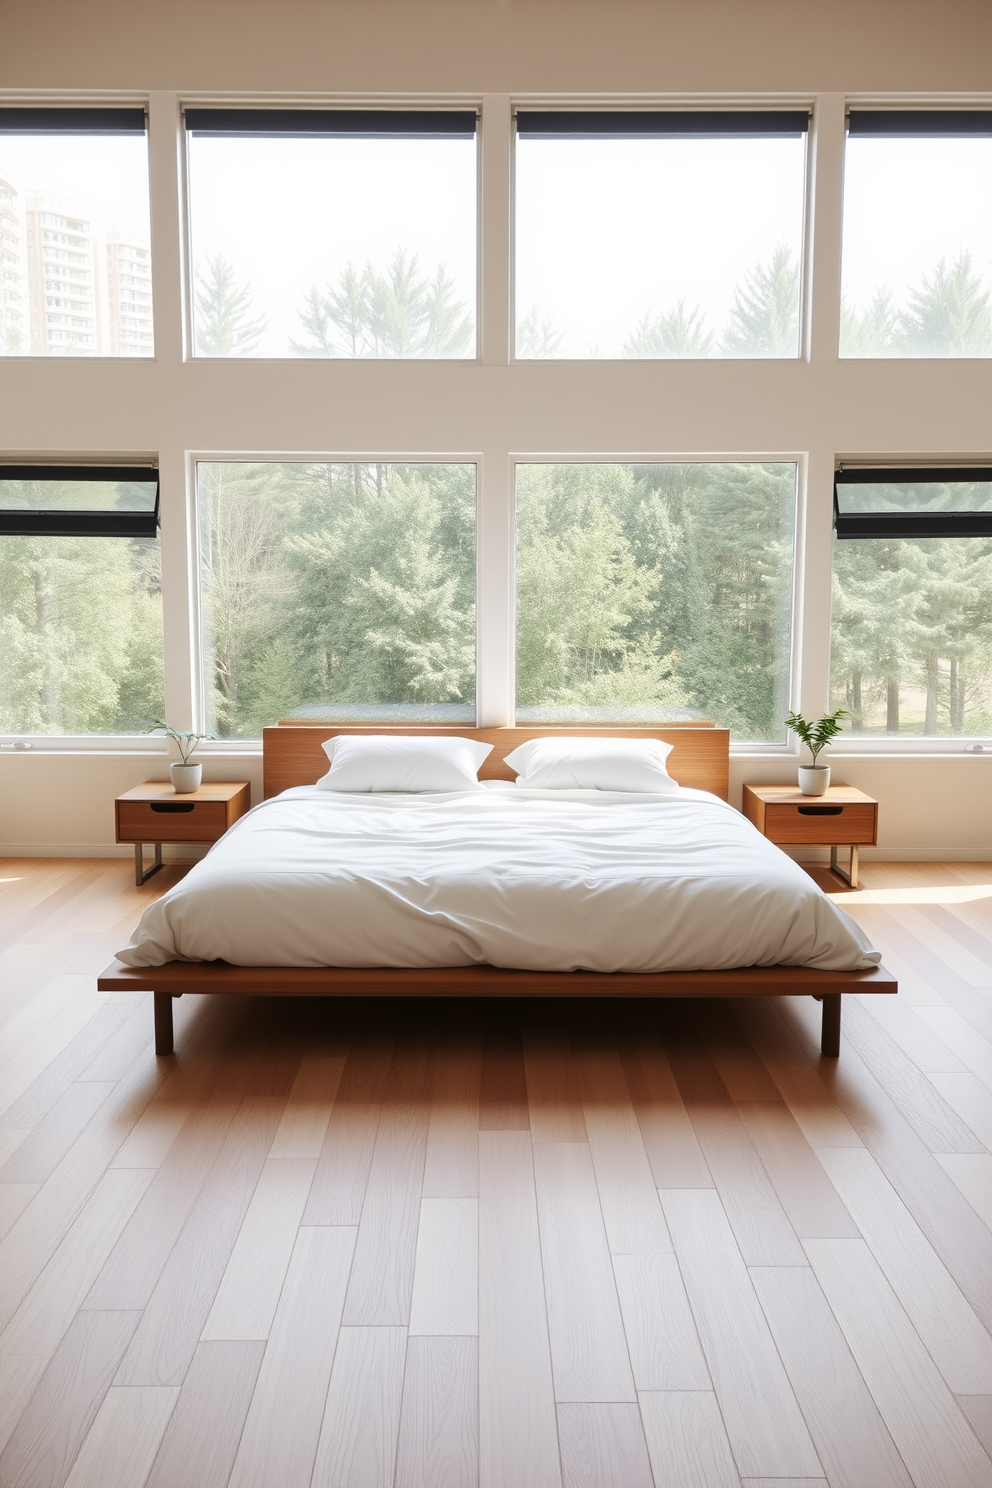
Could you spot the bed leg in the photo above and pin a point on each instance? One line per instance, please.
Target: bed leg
(830, 1030)
(164, 1037)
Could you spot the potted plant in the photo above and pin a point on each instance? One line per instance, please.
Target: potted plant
(814, 779)
(185, 777)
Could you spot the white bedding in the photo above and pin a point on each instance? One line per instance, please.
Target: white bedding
(541, 880)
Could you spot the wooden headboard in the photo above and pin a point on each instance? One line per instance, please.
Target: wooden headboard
(291, 752)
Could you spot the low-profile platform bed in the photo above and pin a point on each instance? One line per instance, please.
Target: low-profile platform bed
(496, 891)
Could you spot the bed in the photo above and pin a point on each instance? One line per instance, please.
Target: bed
(496, 892)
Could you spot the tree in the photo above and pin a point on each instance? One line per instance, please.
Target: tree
(393, 314)
(538, 338)
(677, 333)
(223, 308)
(764, 320)
(949, 314)
(873, 332)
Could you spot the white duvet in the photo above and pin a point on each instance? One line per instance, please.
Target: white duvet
(541, 880)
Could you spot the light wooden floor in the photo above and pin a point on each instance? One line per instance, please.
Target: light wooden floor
(440, 1245)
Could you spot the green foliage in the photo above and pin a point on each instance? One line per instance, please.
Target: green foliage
(538, 338)
(949, 314)
(646, 591)
(764, 320)
(224, 327)
(393, 314)
(80, 634)
(677, 333)
(344, 585)
(184, 741)
(818, 735)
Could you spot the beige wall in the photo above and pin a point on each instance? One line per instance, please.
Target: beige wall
(495, 51)
(532, 46)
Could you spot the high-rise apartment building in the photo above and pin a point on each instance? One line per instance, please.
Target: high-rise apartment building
(129, 297)
(13, 310)
(60, 273)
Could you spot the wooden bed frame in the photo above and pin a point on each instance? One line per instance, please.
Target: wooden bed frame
(292, 755)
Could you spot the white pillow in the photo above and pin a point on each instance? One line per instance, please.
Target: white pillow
(400, 762)
(594, 764)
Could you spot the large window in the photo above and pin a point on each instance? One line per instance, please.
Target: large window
(332, 234)
(659, 234)
(912, 607)
(75, 259)
(80, 601)
(337, 592)
(647, 592)
(917, 235)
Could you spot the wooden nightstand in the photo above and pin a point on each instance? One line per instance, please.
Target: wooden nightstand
(154, 813)
(844, 816)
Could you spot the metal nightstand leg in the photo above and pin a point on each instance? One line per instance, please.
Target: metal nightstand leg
(140, 871)
(851, 877)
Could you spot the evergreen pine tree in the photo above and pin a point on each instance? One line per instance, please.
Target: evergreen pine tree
(677, 333)
(223, 308)
(764, 320)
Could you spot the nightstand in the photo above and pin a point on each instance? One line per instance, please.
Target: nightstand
(154, 813)
(844, 816)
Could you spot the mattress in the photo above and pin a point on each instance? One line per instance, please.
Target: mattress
(539, 880)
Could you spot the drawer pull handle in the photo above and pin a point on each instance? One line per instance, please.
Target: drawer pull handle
(820, 810)
(173, 806)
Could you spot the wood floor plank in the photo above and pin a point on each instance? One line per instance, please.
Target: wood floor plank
(38, 1157)
(972, 1175)
(166, 1339)
(555, 1112)
(808, 1197)
(958, 1343)
(358, 1438)
(926, 1424)
(757, 1216)
(972, 1100)
(671, 1144)
(978, 1409)
(381, 1286)
(503, 1092)
(851, 1439)
(446, 1271)
(603, 1446)
(152, 1136)
(908, 1027)
(342, 1174)
(439, 1417)
(628, 1195)
(203, 1432)
(958, 1236)
(588, 1347)
(931, 1116)
(451, 1165)
(687, 1441)
(134, 1265)
(765, 1427)
(42, 1319)
(121, 1444)
(279, 1441)
(308, 1110)
(248, 1294)
(32, 1240)
(61, 1410)
(14, 1199)
(973, 1050)
(518, 1431)
(662, 1341)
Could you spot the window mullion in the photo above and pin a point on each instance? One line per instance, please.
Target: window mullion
(823, 255)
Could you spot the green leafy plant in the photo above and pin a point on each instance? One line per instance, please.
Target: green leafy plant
(817, 735)
(185, 742)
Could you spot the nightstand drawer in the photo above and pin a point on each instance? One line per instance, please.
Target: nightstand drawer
(821, 822)
(172, 820)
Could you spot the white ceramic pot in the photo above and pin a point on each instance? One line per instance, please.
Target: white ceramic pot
(186, 778)
(813, 779)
